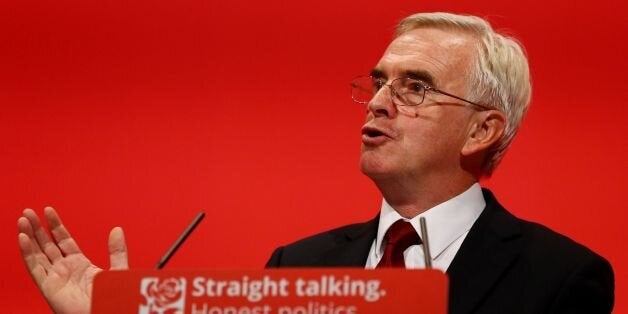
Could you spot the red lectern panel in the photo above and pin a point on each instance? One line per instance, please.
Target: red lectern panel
(277, 291)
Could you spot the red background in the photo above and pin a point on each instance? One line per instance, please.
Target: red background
(142, 113)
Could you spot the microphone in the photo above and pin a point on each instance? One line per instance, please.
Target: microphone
(162, 262)
(427, 257)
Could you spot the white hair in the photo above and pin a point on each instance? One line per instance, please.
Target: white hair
(500, 77)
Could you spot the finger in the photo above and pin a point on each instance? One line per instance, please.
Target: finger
(118, 255)
(24, 226)
(41, 236)
(34, 265)
(65, 242)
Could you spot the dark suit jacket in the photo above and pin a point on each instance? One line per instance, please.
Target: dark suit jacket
(504, 266)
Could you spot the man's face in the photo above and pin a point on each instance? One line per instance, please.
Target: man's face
(419, 143)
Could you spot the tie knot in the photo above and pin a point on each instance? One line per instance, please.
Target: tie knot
(402, 234)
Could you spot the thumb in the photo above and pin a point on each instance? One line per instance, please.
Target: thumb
(118, 255)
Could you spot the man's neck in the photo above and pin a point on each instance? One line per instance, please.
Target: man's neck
(410, 198)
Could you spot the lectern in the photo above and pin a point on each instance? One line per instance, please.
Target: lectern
(277, 291)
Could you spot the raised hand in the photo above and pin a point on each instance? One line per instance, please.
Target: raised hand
(61, 271)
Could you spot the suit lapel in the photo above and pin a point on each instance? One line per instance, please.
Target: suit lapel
(352, 246)
(493, 243)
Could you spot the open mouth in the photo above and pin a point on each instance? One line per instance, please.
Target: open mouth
(373, 136)
(373, 133)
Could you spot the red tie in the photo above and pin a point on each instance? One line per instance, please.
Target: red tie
(398, 238)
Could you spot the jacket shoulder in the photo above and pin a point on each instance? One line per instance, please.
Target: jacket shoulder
(308, 251)
(539, 242)
(553, 248)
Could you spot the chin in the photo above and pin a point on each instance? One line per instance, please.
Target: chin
(374, 167)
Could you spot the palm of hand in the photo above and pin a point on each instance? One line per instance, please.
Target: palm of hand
(70, 279)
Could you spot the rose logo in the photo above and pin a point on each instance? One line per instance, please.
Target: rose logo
(165, 293)
(165, 297)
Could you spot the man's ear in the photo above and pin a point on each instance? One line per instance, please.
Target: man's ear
(488, 127)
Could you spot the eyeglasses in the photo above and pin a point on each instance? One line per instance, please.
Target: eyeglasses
(404, 91)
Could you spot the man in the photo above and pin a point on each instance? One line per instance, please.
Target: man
(443, 104)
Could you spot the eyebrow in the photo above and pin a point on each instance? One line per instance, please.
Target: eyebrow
(418, 75)
(377, 73)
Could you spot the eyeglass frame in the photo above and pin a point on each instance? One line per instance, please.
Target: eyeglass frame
(426, 87)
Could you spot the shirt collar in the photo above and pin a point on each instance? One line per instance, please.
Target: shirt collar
(446, 222)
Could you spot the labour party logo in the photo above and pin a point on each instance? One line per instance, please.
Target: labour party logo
(162, 297)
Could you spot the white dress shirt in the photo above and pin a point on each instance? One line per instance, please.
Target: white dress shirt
(447, 223)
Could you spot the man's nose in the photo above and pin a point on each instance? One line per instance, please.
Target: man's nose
(381, 105)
